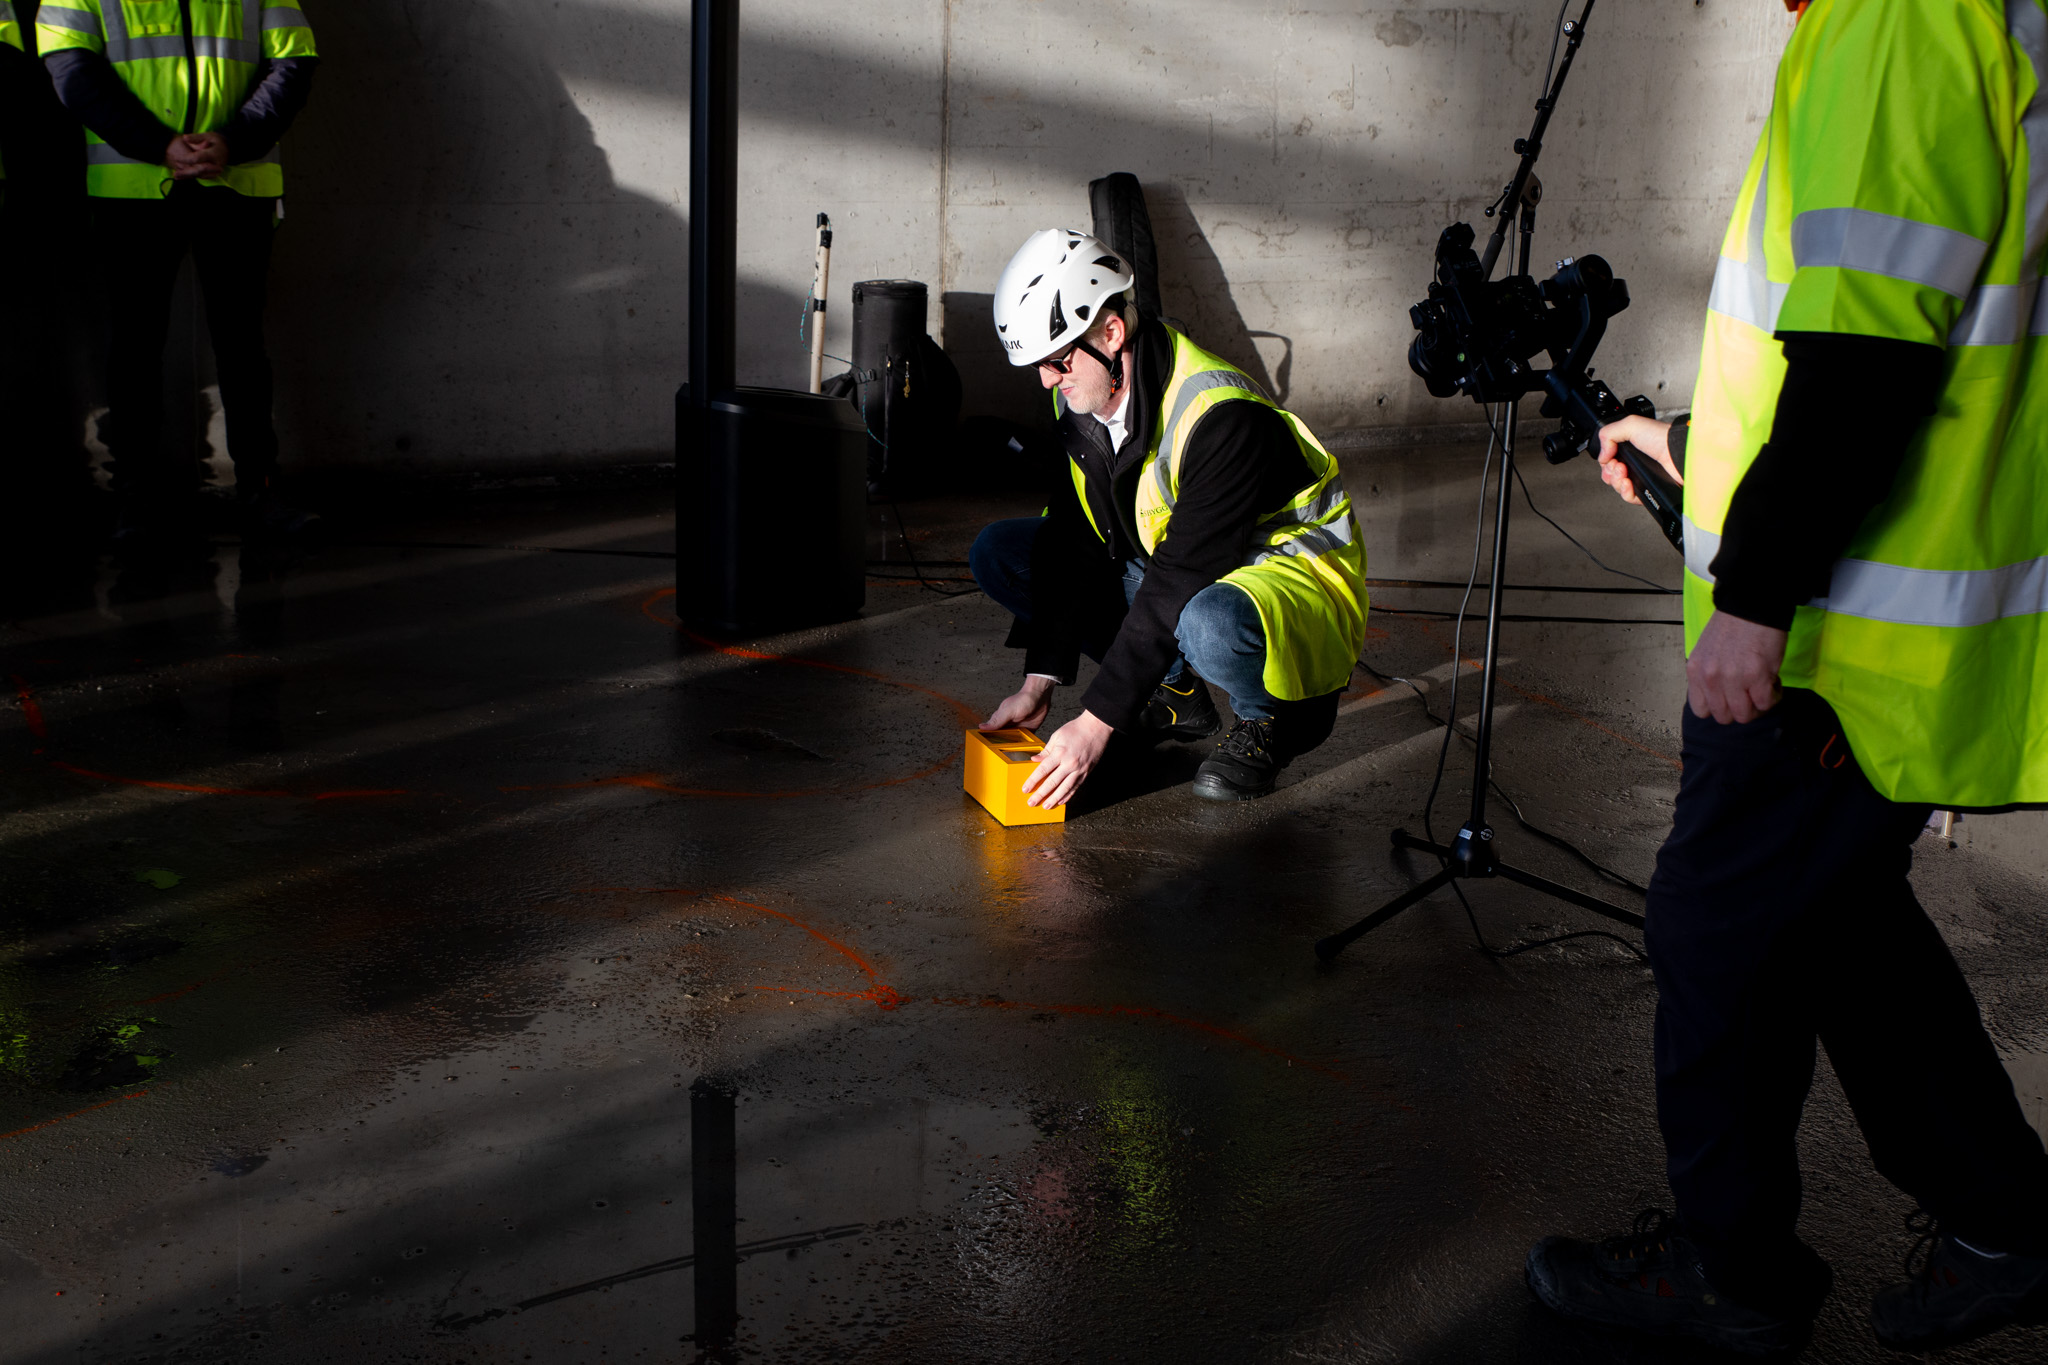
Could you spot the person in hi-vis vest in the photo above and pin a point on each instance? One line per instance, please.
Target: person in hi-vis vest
(1866, 601)
(183, 105)
(10, 38)
(1202, 533)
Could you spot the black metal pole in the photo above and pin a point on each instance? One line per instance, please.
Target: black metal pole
(1471, 852)
(1494, 597)
(1531, 146)
(714, 195)
(714, 1206)
(1510, 425)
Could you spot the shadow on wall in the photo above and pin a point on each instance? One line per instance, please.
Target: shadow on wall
(991, 386)
(1194, 290)
(461, 282)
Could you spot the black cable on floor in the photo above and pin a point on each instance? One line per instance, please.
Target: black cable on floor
(1526, 497)
(1429, 615)
(1450, 728)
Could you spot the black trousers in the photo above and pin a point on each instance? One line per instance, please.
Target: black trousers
(1780, 914)
(139, 245)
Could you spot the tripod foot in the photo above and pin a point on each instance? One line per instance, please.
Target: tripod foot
(1328, 948)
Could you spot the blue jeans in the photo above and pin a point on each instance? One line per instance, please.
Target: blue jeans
(1220, 634)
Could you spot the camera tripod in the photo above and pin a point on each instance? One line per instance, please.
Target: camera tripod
(1470, 854)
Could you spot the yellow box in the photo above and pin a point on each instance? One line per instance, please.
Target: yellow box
(998, 761)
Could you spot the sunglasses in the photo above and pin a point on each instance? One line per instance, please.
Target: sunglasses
(1063, 363)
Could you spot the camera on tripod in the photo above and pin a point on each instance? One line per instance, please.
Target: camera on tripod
(1482, 337)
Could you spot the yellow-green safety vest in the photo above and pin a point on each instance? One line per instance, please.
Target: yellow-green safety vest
(165, 59)
(1900, 189)
(1306, 568)
(10, 34)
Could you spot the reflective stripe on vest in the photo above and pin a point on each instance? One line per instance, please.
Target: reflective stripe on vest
(1305, 571)
(1900, 189)
(159, 51)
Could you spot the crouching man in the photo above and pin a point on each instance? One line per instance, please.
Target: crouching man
(1204, 534)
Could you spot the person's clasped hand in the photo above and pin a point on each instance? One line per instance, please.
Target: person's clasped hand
(1731, 676)
(197, 156)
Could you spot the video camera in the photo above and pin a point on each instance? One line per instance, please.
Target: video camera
(1480, 337)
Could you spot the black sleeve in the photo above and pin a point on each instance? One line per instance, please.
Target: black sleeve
(1051, 639)
(94, 92)
(275, 99)
(1240, 459)
(1681, 427)
(1849, 408)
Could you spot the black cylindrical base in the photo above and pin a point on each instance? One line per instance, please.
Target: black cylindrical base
(771, 507)
(888, 340)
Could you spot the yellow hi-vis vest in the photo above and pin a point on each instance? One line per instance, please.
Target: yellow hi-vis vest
(10, 34)
(1306, 569)
(202, 67)
(1900, 189)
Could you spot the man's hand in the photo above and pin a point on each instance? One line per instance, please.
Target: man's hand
(1732, 673)
(1067, 759)
(1646, 434)
(197, 156)
(1024, 710)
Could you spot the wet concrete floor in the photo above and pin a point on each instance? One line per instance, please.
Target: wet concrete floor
(370, 914)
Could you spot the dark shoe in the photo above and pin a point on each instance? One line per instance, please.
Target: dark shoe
(1651, 1282)
(1182, 710)
(268, 517)
(1244, 765)
(1954, 1293)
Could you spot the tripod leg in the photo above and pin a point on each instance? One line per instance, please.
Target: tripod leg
(1569, 896)
(1328, 948)
(1403, 839)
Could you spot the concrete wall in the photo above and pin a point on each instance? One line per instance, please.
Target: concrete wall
(483, 260)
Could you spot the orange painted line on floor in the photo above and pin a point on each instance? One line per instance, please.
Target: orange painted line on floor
(655, 782)
(960, 708)
(167, 995)
(51, 1123)
(163, 786)
(1579, 716)
(1556, 705)
(879, 991)
(31, 710)
(884, 996)
(199, 790)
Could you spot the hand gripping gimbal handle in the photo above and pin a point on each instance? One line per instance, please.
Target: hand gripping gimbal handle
(1664, 499)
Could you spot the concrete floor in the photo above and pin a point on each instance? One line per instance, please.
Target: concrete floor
(369, 917)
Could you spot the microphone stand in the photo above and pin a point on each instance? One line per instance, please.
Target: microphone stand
(1470, 854)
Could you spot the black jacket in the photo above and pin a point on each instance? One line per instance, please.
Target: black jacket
(94, 92)
(1241, 460)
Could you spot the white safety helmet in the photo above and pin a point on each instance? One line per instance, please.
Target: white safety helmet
(1051, 291)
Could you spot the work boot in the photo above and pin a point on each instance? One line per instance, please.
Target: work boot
(1244, 765)
(1650, 1281)
(1180, 710)
(1957, 1293)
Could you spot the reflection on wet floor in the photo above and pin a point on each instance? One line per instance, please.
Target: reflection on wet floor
(376, 916)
